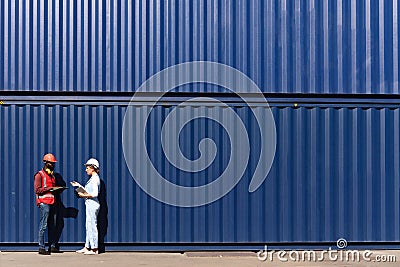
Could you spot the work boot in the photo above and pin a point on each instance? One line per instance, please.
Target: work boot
(42, 251)
(55, 250)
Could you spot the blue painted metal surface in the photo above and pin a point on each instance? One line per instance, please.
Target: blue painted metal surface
(285, 46)
(336, 170)
(335, 174)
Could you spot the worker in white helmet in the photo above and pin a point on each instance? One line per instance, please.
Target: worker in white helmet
(92, 189)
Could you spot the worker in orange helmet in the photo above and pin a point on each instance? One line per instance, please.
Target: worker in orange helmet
(46, 198)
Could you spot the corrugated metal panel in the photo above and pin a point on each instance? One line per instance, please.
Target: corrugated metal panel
(335, 174)
(285, 46)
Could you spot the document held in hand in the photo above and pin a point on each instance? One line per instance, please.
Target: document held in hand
(79, 187)
(58, 188)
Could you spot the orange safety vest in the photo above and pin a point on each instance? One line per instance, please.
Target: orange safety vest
(47, 181)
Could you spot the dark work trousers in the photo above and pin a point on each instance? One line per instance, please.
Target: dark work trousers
(55, 224)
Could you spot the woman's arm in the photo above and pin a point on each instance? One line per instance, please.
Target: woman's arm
(85, 195)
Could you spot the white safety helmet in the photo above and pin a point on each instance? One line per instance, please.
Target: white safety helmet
(93, 162)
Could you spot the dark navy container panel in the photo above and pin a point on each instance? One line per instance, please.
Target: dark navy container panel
(285, 46)
(335, 175)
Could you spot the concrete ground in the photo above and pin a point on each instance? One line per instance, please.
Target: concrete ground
(231, 259)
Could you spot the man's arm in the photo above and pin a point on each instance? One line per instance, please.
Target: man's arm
(38, 185)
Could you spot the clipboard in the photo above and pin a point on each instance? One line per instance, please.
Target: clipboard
(79, 188)
(58, 188)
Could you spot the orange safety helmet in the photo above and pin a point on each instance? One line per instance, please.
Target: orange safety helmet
(49, 157)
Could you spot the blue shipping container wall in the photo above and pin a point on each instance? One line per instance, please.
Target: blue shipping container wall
(285, 46)
(335, 174)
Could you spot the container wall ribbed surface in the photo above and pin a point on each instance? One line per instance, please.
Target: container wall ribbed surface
(335, 174)
(285, 46)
